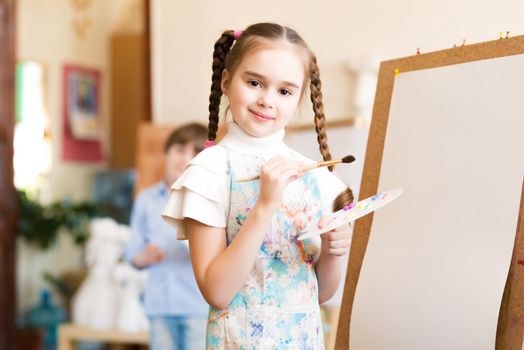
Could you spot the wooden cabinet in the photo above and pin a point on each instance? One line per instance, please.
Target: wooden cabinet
(129, 96)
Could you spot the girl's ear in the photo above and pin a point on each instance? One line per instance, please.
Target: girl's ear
(225, 82)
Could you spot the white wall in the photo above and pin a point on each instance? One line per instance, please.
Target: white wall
(45, 34)
(338, 31)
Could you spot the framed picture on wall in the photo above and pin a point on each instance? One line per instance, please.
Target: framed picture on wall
(83, 107)
(82, 114)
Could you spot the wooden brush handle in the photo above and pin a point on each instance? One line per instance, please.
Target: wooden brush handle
(321, 164)
(304, 168)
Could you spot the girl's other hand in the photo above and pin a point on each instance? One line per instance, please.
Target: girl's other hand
(335, 242)
(275, 175)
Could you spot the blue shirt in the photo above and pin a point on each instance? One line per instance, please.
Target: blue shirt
(171, 288)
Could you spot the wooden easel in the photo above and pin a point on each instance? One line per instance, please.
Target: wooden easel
(511, 320)
(510, 326)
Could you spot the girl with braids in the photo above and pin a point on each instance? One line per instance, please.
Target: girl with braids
(264, 286)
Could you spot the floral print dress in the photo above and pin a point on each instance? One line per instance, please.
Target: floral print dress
(277, 307)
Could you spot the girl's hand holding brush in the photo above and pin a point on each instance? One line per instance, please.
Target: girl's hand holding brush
(275, 175)
(306, 167)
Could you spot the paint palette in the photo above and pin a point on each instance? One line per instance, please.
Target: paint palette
(352, 212)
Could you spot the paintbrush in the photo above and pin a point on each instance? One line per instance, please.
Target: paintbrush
(307, 167)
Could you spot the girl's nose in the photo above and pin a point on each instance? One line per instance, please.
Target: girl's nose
(266, 100)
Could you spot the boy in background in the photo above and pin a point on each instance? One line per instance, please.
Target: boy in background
(172, 301)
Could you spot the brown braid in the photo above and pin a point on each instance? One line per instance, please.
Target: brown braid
(318, 108)
(222, 47)
(345, 197)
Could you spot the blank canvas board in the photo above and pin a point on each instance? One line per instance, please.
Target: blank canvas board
(438, 257)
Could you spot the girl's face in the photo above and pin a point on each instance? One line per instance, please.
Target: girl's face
(265, 89)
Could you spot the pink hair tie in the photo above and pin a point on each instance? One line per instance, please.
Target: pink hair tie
(237, 34)
(208, 144)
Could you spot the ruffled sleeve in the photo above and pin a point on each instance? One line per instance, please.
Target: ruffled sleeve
(201, 192)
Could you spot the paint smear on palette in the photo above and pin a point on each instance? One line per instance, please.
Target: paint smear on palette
(352, 212)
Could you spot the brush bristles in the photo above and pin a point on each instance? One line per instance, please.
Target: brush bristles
(348, 159)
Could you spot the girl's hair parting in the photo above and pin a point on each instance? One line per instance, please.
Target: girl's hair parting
(232, 46)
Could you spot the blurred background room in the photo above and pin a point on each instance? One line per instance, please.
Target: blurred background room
(90, 89)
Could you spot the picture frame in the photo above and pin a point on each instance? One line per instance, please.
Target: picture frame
(82, 114)
(82, 96)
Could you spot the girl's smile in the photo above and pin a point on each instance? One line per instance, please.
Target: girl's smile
(265, 89)
(261, 116)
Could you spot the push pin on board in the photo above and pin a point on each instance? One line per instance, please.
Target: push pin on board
(507, 34)
(418, 50)
(397, 72)
(500, 35)
(463, 42)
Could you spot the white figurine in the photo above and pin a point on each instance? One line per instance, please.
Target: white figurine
(95, 303)
(130, 315)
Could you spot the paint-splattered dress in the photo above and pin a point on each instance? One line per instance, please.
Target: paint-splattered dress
(277, 307)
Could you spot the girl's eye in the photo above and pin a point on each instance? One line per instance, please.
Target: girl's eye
(254, 83)
(285, 92)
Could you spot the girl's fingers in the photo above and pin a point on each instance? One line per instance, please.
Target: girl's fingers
(289, 175)
(286, 164)
(275, 162)
(324, 221)
(284, 171)
(279, 162)
(344, 228)
(340, 244)
(336, 235)
(338, 252)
